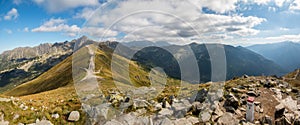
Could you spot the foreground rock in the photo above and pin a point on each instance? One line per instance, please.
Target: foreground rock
(74, 116)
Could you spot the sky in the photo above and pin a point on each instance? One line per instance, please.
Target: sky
(233, 22)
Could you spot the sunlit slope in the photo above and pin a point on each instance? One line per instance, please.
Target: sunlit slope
(61, 75)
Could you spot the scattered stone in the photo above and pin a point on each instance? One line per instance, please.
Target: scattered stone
(157, 107)
(261, 110)
(193, 120)
(205, 116)
(113, 122)
(55, 116)
(4, 123)
(16, 116)
(165, 112)
(243, 109)
(74, 116)
(227, 119)
(165, 121)
(43, 122)
(4, 100)
(252, 93)
(257, 103)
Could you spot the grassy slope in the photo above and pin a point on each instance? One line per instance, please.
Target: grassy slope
(61, 74)
(294, 81)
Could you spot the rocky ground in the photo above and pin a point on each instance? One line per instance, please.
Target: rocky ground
(276, 102)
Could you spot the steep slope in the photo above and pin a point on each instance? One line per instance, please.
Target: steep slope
(240, 61)
(293, 78)
(26, 63)
(286, 54)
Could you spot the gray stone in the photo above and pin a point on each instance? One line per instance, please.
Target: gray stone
(205, 116)
(165, 112)
(4, 123)
(55, 116)
(74, 116)
(181, 108)
(43, 122)
(16, 116)
(113, 122)
(193, 120)
(182, 121)
(137, 103)
(227, 119)
(164, 121)
(157, 107)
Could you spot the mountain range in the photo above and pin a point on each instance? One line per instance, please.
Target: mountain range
(25, 64)
(286, 54)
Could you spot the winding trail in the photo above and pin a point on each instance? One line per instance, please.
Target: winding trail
(90, 72)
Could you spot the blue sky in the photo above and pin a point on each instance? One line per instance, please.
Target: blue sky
(235, 22)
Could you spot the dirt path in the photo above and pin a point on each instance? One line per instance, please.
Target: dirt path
(90, 72)
(268, 103)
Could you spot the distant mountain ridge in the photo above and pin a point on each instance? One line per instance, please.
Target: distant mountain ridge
(286, 54)
(239, 60)
(26, 63)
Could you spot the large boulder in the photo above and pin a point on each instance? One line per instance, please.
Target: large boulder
(181, 108)
(74, 116)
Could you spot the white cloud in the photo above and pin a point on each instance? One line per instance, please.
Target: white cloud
(284, 29)
(57, 25)
(61, 5)
(171, 20)
(12, 14)
(284, 38)
(85, 13)
(295, 5)
(60, 25)
(279, 3)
